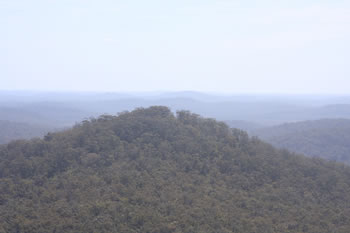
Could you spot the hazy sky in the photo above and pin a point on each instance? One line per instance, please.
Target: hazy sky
(300, 46)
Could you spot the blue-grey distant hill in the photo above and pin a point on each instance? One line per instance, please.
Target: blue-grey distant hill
(249, 112)
(326, 138)
(10, 131)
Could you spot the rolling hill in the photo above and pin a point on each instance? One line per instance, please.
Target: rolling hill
(62, 109)
(152, 171)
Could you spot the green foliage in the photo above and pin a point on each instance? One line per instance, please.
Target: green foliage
(151, 171)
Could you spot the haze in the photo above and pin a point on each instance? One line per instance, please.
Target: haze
(210, 46)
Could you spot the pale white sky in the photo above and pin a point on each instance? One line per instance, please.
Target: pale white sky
(201, 45)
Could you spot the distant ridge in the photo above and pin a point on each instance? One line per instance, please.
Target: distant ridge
(325, 138)
(10, 131)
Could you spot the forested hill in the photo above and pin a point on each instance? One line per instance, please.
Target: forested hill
(327, 138)
(151, 171)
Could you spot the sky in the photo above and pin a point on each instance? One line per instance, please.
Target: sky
(292, 47)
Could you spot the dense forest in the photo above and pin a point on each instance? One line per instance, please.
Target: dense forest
(326, 138)
(155, 172)
(17, 130)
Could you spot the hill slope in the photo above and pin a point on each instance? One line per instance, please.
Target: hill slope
(151, 171)
(327, 138)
